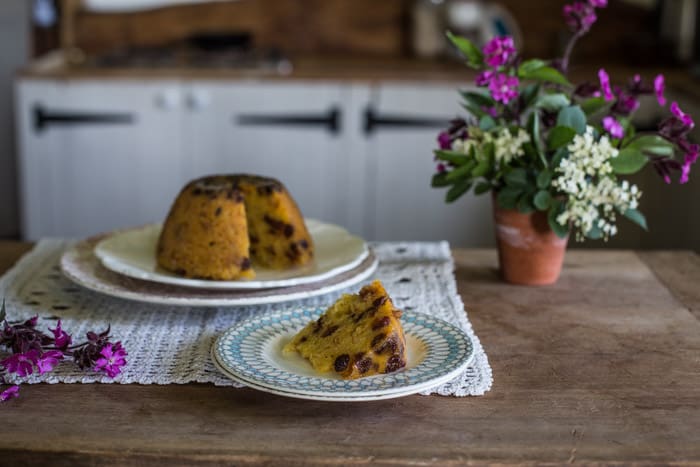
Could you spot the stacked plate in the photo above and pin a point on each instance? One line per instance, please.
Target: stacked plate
(123, 264)
(251, 353)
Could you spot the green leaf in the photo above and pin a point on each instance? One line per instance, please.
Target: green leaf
(542, 200)
(653, 144)
(573, 117)
(553, 102)
(487, 122)
(528, 95)
(628, 161)
(528, 66)
(508, 197)
(475, 111)
(636, 217)
(2, 310)
(489, 151)
(482, 187)
(593, 105)
(474, 56)
(439, 180)
(555, 209)
(560, 136)
(516, 178)
(461, 172)
(545, 73)
(457, 158)
(530, 151)
(533, 127)
(481, 169)
(559, 155)
(458, 190)
(544, 178)
(525, 204)
(595, 233)
(478, 99)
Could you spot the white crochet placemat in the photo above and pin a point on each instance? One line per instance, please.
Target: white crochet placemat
(170, 345)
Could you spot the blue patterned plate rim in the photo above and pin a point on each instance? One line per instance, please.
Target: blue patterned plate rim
(315, 397)
(252, 351)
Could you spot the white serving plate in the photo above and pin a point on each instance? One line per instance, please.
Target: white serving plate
(133, 253)
(80, 265)
(251, 353)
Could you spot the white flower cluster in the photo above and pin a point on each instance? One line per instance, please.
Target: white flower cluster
(506, 146)
(594, 195)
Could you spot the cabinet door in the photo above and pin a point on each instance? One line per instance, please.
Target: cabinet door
(404, 123)
(97, 156)
(289, 131)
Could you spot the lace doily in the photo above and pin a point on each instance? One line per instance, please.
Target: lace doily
(170, 345)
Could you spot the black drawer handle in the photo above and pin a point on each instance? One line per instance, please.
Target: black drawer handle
(330, 120)
(374, 121)
(44, 118)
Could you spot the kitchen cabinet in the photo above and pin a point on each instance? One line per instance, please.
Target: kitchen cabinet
(401, 203)
(296, 132)
(107, 154)
(97, 156)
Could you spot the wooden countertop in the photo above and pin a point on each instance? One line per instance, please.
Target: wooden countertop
(344, 69)
(602, 367)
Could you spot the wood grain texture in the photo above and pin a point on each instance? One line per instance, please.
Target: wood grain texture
(674, 271)
(373, 27)
(602, 367)
(300, 26)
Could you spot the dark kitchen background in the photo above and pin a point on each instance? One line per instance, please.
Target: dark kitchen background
(110, 106)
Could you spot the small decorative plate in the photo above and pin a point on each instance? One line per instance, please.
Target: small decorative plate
(80, 265)
(331, 398)
(252, 352)
(133, 253)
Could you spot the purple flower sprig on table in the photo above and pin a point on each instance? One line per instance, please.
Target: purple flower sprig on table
(32, 350)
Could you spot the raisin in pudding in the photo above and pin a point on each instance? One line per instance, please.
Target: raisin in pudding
(220, 227)
(359, 335)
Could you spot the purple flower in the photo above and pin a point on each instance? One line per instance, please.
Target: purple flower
(504, 88)
(579, 16)
(31, 322)
(21, 363)
(484, 78)
(613, 127)
(659, 89)
(598, 3)
(61, 338)
(112, 359)
(691, 156)
(441, 168)
(444, 140)
(9, 393)
(625, 104)
(685, 173)
(493, 111)
(605, 84)
(48, 361)
(499, 51)
(683, 117)
(587, 89)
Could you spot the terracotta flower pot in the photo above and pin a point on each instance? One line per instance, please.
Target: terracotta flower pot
(529, 252)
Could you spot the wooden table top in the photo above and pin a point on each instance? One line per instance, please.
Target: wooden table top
(602, 367)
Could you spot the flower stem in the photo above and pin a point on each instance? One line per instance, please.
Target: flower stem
(569, 49)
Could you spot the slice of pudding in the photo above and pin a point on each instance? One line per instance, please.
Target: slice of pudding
(359, 335)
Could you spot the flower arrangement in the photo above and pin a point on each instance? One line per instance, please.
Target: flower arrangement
(541, 143)
(34, 350)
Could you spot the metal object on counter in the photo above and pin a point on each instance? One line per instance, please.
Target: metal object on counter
(478, 20)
